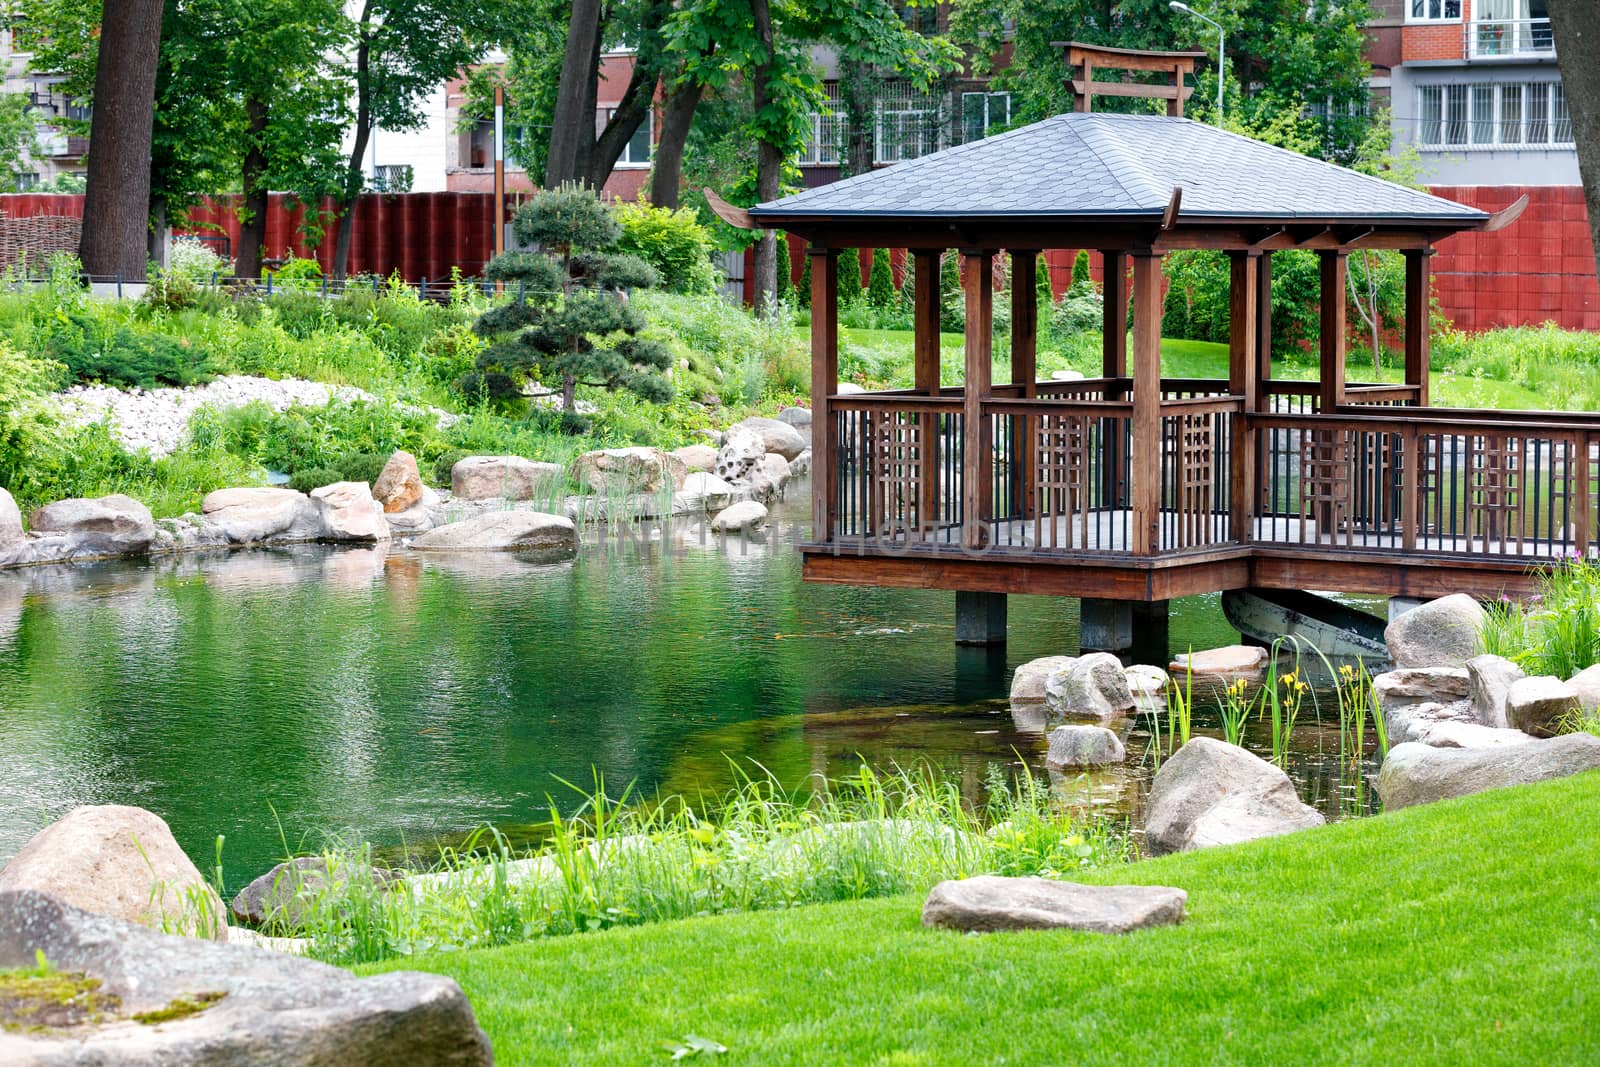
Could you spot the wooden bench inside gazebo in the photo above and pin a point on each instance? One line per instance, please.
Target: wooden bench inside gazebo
(1131, 487)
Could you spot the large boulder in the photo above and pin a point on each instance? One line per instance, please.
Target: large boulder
(1224, 664)
(612, 471)
(349, 513)
(747, 516)
(990, 902)
(1418, 721)
(1489, 681)
(1145, 680)
(122, 862)
(1420, 774)
(1441, 633)
(501, 531)
(1027, 684)
(1090, 687)
(1540, 705)
(739, 458)
(1420, 685)
(399, 484)
(251, 515)
(1586, 683)
(504, 477)
(214, 1004)
(1199, 777)
(281, 898)
(1449, 733)
(697, 457)
(114, 525)
(704, 491)
(776, 436)
(798, 417)
(1084, 745)
(11, 534)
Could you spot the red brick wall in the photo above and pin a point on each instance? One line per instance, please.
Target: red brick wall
(1541, 268)
(1435, 40)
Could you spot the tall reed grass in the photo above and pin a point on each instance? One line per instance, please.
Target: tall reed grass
(1556, 631)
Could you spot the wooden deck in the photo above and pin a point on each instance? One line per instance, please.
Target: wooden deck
(1378, 496)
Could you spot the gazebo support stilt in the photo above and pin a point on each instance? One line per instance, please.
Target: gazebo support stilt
(1134, 628)
(824, 383)
(925, 370)
(1244, 379)
(1146, 459)
(980, 618)
(1418, 286)
(977, 277)
(1024, 372)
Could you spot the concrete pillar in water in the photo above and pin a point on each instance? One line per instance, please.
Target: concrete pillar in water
(1399, 605)
(980, 618)
(1137, 628)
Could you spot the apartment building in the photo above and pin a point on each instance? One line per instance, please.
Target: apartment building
(56, 157)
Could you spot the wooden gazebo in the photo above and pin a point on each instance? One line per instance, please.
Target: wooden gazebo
(1133, 487)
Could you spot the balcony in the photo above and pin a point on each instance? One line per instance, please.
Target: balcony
(1509, 39)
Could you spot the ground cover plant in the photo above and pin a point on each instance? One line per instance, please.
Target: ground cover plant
(611, 861)
(1557, 630)
(1317, 947)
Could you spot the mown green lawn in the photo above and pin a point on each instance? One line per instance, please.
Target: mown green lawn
(1465, 932)
(886, 354)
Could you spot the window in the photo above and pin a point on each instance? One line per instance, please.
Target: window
(1493, 115)
(908, 124)
(1433, 10)
(478, 146)
(26, 181)
(982, 113)
(637, 151)
(391, 178)
(827, 132)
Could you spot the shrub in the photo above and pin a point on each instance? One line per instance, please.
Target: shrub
(1044, 292)
(803, 289)
(445, 464)
(673, 242)
(296, 273)
(1081, 277)
(880, 290)
(849, 279)
(315, 478)
(127, 357)
(952, 302)
(785, 269)
(194, 261)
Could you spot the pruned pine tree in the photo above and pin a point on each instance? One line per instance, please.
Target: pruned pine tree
(568, 316)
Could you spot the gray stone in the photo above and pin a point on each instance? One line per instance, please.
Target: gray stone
(1539, 705)
(1489, 680)
(1250, 814)
(703, 491)
(1411, 722)
(252, 515)
(776, 436)
(114, 525)
(1027, 684)
(1452, 734)
(800, 466)
(399, 485)
(1082, 745)
(504, 477)
(743, 517)
(122, 862)
(1091, 687)
(1199, 777)
(502, 531)
(849, 389)
(1224, 664)
(1145, 680)
(11, 534)
(1441, 633)
(610, 471)
(1420, 685)
(1420, 774)
(278, 898)
(798, 417)
(1586, 683)
(739, 458)
(269, 1008)
(990, 903)
(770, 476)
(697, 457)
(349, 513)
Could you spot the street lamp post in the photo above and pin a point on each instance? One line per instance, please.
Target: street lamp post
(1222, 46)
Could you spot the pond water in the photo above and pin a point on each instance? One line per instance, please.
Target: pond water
(280, 696)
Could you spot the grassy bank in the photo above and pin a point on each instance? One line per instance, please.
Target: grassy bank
(1461, 933)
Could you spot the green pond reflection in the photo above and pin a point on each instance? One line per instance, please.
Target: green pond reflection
(285, 695)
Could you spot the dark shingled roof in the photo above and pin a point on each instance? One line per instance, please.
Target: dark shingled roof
(1101, 164)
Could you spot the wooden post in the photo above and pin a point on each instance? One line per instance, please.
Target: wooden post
(1146, 460)
(1332, 338)
(824, 382)
(925, 348)
(1114, 322)
(1264, 332)
(1244, 381)
(977, 281)
(1024, 372)
(1418, 288)
(1084, 101)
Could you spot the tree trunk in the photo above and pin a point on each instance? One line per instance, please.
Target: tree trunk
(666, 176)
(572, 123)
(355, 170)
(116, 219)
(860, 134)
(769, 163)
(253, 210)
(1575, 25)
